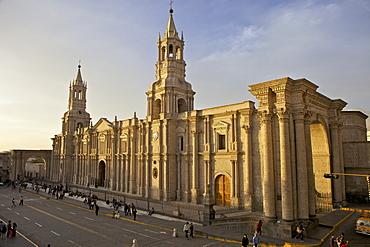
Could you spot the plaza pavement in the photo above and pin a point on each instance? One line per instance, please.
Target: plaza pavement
(328, 223)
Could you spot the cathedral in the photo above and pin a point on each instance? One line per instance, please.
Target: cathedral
(269, 158)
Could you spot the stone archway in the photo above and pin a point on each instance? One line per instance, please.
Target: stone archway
(222, 191)
(20, 158)
(101, 173)
(35, 167)
(321, 164)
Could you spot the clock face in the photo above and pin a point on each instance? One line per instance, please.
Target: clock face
(155, 135)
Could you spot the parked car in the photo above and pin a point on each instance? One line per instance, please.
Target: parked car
(363, 224)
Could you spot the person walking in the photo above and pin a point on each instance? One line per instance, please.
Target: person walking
(259, 227)
(332, 241)
(13, 203)
(191, 228)
(256, 239)
(300, 230)
(21, 200)
(97, 209)
(186, 230)
(245, 241)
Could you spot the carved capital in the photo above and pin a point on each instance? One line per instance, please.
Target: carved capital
(264, 117)
(282, 113)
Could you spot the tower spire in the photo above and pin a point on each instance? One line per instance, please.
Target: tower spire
(170, 94)
(78, 80)
(171, 31)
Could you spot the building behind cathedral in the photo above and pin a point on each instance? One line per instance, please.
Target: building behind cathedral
(269, 158)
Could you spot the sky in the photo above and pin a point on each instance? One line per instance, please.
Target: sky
(229, 45)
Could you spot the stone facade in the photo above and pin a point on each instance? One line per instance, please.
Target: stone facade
(5, 164)
(356, 155)
(269, 158)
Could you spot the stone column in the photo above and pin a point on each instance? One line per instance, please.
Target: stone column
(302, 182)
(247, 170)
(133, 164)
(195, 170)
(179, 173)
(336, 165)
(268, 176)
(127, 173)
(285, 167)
(310, 173)
(233, 178)
(340, 143)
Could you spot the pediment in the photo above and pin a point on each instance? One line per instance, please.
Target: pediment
(180, 130)
(103, 125)
(221, 125)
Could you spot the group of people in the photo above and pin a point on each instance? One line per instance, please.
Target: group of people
(92, 203)
(21, 200)
(129, 209)
(256, 234)
(338, 241)
(189, 230)
(9, 230)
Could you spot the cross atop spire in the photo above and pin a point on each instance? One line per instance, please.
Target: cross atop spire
(78, 80)
(171, 29)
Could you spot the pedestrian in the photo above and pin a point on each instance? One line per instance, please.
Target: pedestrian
(134, 213)
(191, 228)
(126, 209)
(151, 211)
(96, 209)
(9, 229)
(3, 230)
(259, 227)
(186, 229)
(14, 230)
(344, 244)
(21, 200)
(245, 241)
(340, 239)
(256, 239)
(300, 230)
(332, 241)
(13, 203)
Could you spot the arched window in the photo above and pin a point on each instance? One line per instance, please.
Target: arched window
(157, 108)
(170, 51)
(178, 53)
(181, 105)
(163, 55)
(79, 128)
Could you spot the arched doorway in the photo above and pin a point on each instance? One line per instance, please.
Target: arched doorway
(101, 174)
(222, 191)
(321, 165)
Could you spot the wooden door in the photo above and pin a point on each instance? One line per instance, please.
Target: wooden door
(222, 191)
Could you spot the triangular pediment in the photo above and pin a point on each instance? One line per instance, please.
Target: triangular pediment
(221, 124)
(103, 125)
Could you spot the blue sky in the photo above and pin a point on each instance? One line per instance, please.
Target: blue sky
(229, 44)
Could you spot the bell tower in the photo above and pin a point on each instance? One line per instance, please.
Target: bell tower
(170, 94)
(76, 117)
